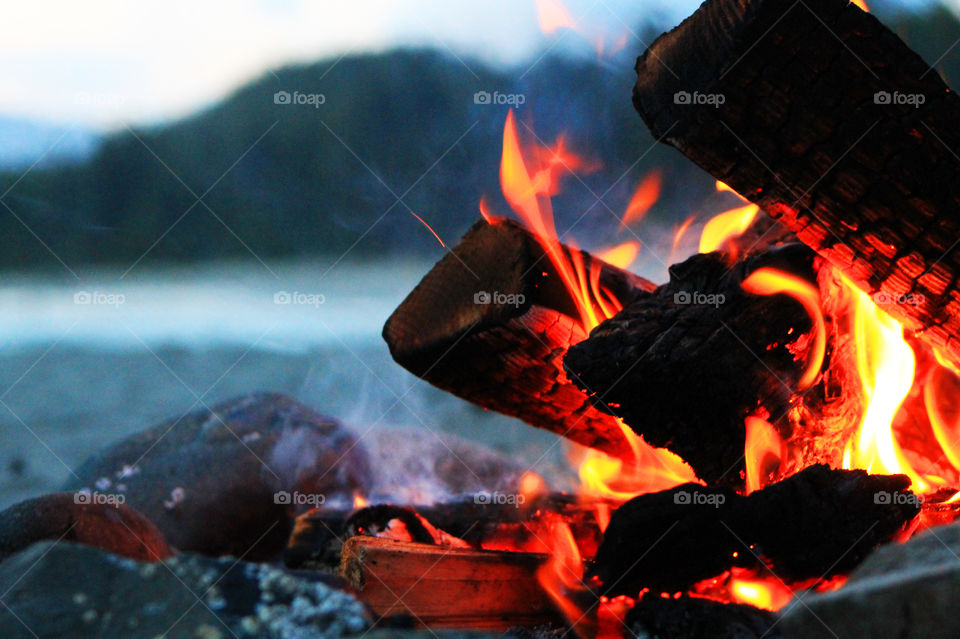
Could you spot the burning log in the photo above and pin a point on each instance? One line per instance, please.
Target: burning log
(686, 364)
(822, 116)
(447, 587)
(813, 525)
(318, 535)
(492, 320)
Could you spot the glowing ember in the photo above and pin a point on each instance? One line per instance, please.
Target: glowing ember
(769, 593)
(429, 228)
(726, 225)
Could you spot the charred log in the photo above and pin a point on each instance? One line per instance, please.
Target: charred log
(825, 118)
(685, 365)
(490, 323)
(813, 525)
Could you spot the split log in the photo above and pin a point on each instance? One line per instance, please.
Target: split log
(686, 364)
(490, 323)
(813, 525)
(827, 120)
(447, 587)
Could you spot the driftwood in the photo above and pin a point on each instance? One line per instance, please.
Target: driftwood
(490, 323)
(827, 120)
(686, 364)
(813, 525)
(447, 587)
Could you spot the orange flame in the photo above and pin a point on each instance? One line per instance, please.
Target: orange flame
(768, 281)
(621, 255)
(726, 225)
(553, 16)
(886, 365)
(679, 233)
(764, 453)
(861, 4)
(529, 196)
(646, 195)
(562, 575)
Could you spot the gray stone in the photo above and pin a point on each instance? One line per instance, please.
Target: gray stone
(215, 481)
(902, 591)
(68, 590)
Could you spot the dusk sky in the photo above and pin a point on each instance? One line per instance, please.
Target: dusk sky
(100, 63)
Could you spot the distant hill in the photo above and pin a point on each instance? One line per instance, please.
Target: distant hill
(304, 179)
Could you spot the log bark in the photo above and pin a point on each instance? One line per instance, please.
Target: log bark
(685, 365)
(813, 525)
(447, 587)
(827, 120)
(490, 323)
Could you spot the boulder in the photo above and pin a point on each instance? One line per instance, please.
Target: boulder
(231, 479)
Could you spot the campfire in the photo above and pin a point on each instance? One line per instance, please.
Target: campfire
(754, 427)
(766, 442)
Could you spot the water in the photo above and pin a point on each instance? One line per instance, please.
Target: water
(85, 363)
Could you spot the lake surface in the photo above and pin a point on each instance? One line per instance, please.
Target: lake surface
(86, 362)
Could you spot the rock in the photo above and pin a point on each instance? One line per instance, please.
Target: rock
(695, 618)
(231, 480)
(80, 517)
(902, 591)
(67, 590)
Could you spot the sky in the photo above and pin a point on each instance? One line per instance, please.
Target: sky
(102, 63)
